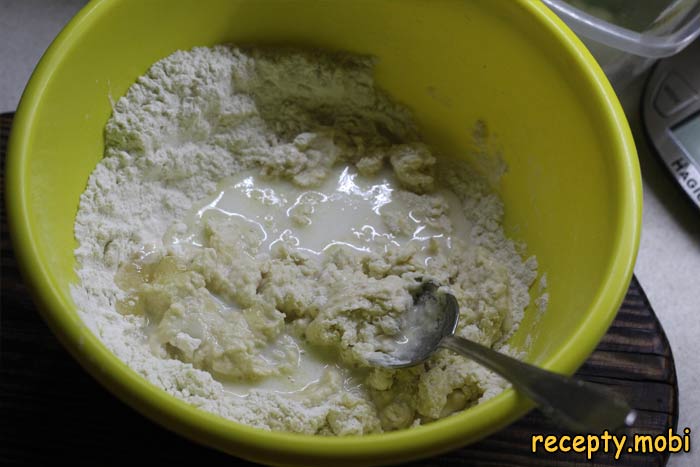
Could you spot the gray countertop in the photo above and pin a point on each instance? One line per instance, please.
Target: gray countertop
(668, 266)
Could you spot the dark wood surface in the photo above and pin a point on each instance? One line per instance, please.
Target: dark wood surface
(52, 412)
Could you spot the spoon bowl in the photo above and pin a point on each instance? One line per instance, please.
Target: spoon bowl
(434, 316)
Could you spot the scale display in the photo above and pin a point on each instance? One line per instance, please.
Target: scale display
(687, 134)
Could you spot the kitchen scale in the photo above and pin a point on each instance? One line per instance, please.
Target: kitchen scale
(671, 114)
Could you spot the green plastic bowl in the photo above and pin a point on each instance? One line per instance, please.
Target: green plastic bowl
(572, 190)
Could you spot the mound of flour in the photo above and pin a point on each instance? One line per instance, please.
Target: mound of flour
(197, 117)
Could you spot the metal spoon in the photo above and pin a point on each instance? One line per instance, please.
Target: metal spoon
(580, 406)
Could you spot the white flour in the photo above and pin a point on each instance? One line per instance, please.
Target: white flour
(197, 117)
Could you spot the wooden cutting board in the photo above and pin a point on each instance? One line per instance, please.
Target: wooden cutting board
(52, 412)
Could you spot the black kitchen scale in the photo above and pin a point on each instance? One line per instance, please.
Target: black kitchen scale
(671, 115)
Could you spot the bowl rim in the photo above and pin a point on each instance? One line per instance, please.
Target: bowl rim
(289, 448)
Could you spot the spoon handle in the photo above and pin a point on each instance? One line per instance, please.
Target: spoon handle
(578, 405)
